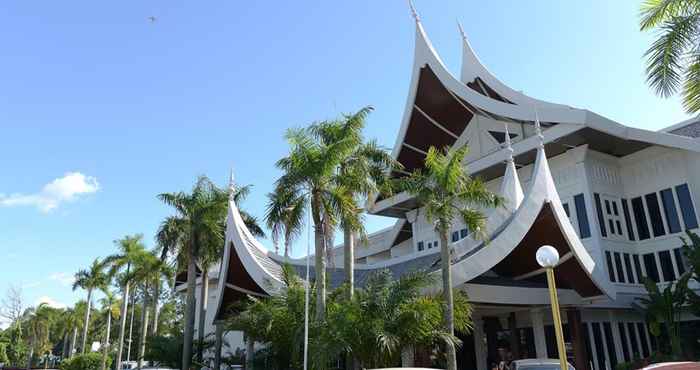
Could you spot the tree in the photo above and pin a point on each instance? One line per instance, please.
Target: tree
(199, 224)
(89, 280)
(12, 307)
(308, 177)
(361, 173)
(285, 218)
(447, 193)
(665, 308)
(673, 59)
(39, 321)
(691, 249)
(110, 308)
(131, 250)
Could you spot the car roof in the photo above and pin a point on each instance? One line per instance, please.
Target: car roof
(537, 361)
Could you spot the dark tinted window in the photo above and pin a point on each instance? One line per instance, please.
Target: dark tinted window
(600, 350)
(628, 219)
(628, 267)
(463, 233)
(643, 339)
(587, 340)
(618, 267)
(687, 208)
(611, 272)
(674, 225)
(455, 236)
(623, 340)
(599, 211)
(583, 226)
(657, 223)
(566, 209)
(679, 260)
(637, 268)
(607, 331)
(641, 218)
(650, 265)
(633, 340)
(420, 246)
(666, 266)
(615, 211)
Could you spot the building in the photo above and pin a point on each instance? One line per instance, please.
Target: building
(612, 199)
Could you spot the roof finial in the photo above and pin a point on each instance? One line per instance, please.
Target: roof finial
(413, 11)
(538, 129)
(231, 184)
(461, 30)
(509, 148)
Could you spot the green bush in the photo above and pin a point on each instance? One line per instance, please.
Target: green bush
(165, 350)
(88, 361)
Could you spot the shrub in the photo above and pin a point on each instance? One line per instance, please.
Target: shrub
(165, 350)
(88, 361)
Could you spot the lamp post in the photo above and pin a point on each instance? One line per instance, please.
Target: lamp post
(548, 257)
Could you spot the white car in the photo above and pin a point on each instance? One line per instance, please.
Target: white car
(537, 364)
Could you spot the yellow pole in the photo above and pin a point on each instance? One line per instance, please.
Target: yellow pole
(556, 317)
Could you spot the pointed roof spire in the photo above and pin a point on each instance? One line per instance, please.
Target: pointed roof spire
(414, 13)
(461, 30)
(538, 129)
(509, 148)
(511, 190)
(231, 184)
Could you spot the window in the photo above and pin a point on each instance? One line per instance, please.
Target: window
(599, 211)
(633, 340)
(566, 209)
(628, 267)
(623, 339)
(618, 268)
(637, 268)
(455, 236)
(610, 344)
(463, 233)
(641, 218)
(687, 209)
(582, 215)
(421, 246)
(612, 218)
(657, 223)
(667, 266)
(628, 219)
(611, 271)
(598, 339)
(650, 264)
(643, 339)
(680, 262)
(674, 225)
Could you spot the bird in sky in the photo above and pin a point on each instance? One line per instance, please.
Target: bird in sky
(152, 19)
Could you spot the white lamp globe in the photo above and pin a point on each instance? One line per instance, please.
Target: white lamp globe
(547, 256)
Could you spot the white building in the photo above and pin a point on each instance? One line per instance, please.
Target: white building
(612, 199)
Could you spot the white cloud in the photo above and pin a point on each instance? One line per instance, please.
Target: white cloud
(50, 302)
(30, 285)
(61, 190)
(62, 278)
(4, 323)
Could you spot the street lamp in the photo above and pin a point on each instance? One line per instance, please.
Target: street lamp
(548, 257)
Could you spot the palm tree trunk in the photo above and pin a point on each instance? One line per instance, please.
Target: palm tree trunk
(122, 327)
(287, 247)
(86, 326)
(73, 340)
(189, 310)
(203, 301)
(320, 259)
(105, 348)
(29, 359)
(144, 327)
(154, 307)
(64, 353)
(349, 259)
(131, 326)
(449, 301)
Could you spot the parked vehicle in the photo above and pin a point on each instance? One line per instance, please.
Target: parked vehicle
(537, 364)
(674, 366)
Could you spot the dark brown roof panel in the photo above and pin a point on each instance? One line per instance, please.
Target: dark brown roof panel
(435, 100)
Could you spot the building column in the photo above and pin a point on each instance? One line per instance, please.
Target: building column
(479, 350)
(514, 336)
(218, 345)
(573, 316)
(249, 353)
(538, 331)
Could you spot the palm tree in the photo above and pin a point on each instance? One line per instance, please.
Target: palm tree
(131, 250)
(90, 279)
(110, 308)
(73, 321)
(285, 218)
(665, 308)
(199, 223)
(691, 249)
(39, 321)
(361, 173)
(448, 193)
(309, 178)
(673, 60)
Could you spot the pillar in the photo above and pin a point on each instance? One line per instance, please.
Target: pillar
(479, 350)
(514, 336)
(249, 353)
(218, 345)
(536, 316)
(616, 337)
(573, 316)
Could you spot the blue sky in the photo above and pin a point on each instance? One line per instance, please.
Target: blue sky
(101, 109)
